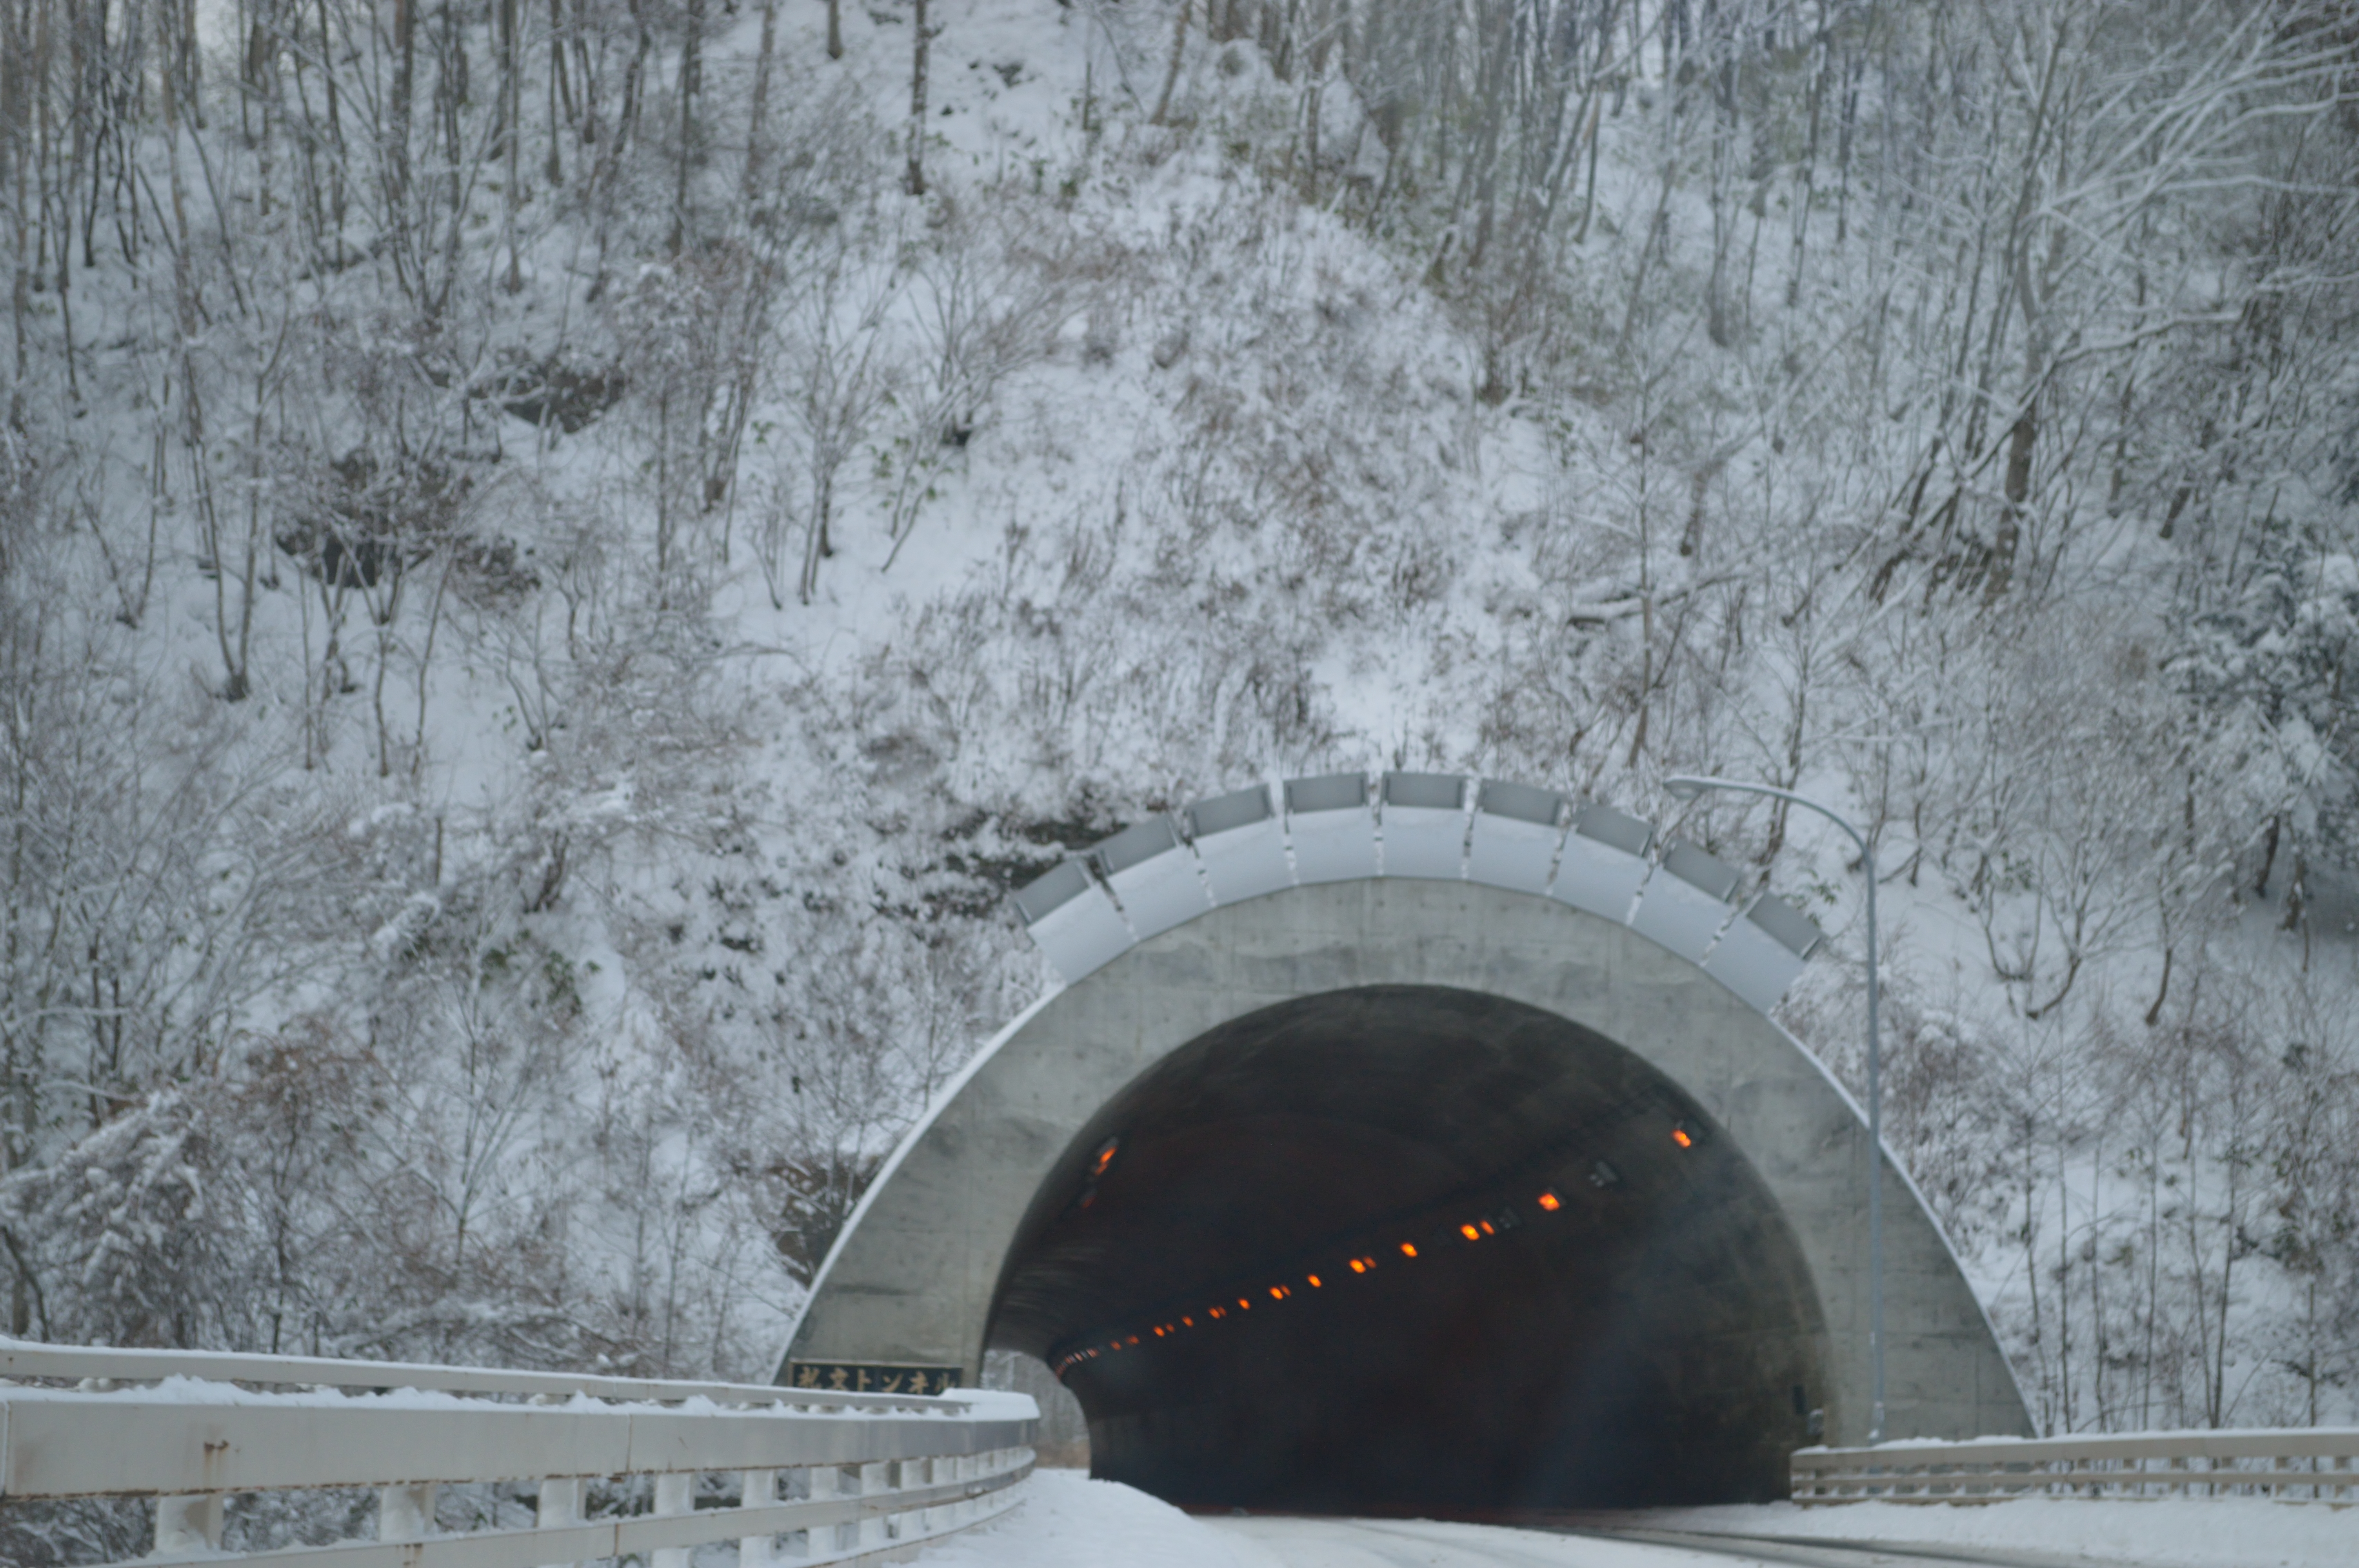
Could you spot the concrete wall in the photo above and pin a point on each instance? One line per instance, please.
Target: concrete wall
(1064, 1440)
(913, 1277)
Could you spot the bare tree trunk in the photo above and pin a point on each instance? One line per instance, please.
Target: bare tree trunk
(335, 131)
(405, 78)
(758, 116)
(511, 135)
(1171, 69)
(15, 174)
(691, 74)
(1806, 172)
(560, 94)
(51, 141)
(425, 667)
(232, 639)
(2007, 542)
(1854, 66)
(914, 179)
(815, 541)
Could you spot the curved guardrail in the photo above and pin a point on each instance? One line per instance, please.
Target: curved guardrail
(1164, 871)
(816, 1477)
(2290, 1464)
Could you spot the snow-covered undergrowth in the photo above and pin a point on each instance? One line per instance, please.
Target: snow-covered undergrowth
(533, 659)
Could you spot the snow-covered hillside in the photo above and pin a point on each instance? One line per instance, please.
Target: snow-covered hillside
(555, 568)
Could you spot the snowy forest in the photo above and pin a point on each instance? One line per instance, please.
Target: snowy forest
(558, 563)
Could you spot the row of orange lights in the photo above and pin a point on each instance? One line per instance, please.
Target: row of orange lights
(1682, 1133)
(1473, 1230)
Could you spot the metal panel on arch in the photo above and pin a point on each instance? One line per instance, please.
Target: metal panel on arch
(1241, 844)
(1604, 863)
(1760, 956)
(1162, 871)
(1330, 828)
(1425, 826)
(1517, 831)
(1154, 876)
(1073, 921)
(1685, 903)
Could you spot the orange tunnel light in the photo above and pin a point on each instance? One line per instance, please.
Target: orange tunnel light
(1469, 1232)
(1359, 1267)
(1550, 1202)
(1314, 1281)
(1682, 1137)
(1486, 1228)
(1409, 1249)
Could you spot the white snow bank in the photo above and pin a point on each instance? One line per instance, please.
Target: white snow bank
(2194, 1532)
(997, 1404)
(1067, 1520)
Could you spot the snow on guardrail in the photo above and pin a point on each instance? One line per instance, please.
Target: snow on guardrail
(2289, 1464)
(800, 1476)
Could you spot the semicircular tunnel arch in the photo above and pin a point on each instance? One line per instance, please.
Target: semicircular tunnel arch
(1409, 1246)
(1311, 901)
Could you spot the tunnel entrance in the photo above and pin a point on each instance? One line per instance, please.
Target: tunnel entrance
(1414, 1248)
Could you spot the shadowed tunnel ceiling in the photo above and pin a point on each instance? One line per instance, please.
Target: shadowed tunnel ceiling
(1652, 1337)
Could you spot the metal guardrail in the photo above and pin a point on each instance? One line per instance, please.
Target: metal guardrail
(821, 1478)
(2292, 1464)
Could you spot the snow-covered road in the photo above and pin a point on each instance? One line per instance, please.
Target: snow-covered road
(1425, 1543)
(1071, 1521)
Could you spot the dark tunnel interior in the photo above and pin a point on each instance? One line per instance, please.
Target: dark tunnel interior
(1414, 1249)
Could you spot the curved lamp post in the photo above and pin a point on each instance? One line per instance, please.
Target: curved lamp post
(1688, 786)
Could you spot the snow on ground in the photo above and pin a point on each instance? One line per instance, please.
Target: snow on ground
(2193, 1533)
(1274, 1541)
(1067, 1520)
(1071, 1521)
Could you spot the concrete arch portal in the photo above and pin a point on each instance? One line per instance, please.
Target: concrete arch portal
(1668, 1270)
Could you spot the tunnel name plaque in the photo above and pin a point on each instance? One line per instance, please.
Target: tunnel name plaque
(871, 1378)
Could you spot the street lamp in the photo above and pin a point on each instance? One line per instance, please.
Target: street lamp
(1688, 786)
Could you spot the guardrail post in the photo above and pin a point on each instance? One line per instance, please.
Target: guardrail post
(760, 1488)
(560, 1504)
(188, 1525)
(916, 1473)
(873, 1482)
(405, 1513)
(826, 1481)
(675, 1493)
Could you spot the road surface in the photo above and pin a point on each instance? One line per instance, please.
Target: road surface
(1290, 1542)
